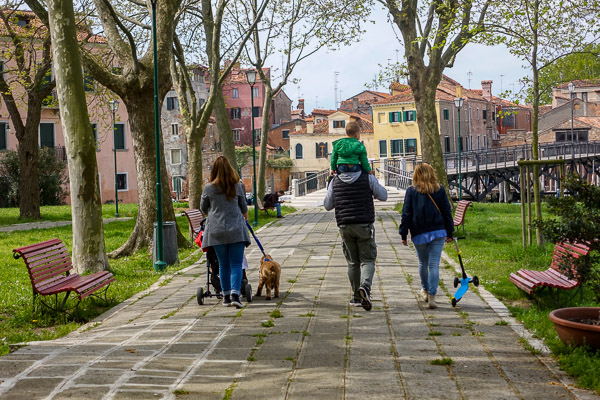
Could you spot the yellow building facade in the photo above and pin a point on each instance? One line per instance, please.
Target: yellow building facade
(395, 130)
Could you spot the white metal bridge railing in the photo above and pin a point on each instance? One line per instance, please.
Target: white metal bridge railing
(312, 183)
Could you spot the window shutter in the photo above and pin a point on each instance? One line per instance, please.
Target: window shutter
(317, 150)
(326, 151)
(391, 117)
(405, 115)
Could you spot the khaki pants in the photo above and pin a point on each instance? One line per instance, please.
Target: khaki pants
(360, 250)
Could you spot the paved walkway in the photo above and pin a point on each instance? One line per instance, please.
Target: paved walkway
(163, 345)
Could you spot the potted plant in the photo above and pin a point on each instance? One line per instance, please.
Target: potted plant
(578, 220)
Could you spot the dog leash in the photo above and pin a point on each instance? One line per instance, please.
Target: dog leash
(257, 242)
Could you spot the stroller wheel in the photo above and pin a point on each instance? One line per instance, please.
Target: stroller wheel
(475, 281)
(200, 295)
(453, 302)
(248, 289)
(456, 281)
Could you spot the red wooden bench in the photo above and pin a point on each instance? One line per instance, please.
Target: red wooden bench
(552, 278)
(49, 266)
(459, 216)
(261, 207)
(195, 218)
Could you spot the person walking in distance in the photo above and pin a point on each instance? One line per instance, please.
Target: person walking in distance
(427, 215)
(351, 194)
(224, 202)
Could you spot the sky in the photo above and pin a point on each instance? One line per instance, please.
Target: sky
(358, 64)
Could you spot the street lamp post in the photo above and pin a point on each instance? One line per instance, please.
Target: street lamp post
(571, 90)
(458, 102)
(251, 77)
(115, 106)
(160, 264)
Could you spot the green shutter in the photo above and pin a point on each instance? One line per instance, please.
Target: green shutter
(47, 135)
(119, 136)
(405, 115)
(3, 139)
(391, 117)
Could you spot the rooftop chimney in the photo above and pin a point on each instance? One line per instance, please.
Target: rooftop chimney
(486, 87)
(310, 127)
(300, 104)
(355, 105)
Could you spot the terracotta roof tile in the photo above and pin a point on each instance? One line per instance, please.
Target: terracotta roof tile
(321, 111)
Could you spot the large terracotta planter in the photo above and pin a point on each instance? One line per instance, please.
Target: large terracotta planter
(574, 332)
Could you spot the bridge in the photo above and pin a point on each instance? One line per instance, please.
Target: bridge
(483, 171)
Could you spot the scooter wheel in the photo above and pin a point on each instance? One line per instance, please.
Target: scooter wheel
(200, 295)
(475, 281)
(453, 302)
(456, 281)
(248, 288)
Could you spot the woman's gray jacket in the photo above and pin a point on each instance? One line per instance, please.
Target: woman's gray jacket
(225, 223)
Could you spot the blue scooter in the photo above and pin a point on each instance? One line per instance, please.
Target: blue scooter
(464, 282)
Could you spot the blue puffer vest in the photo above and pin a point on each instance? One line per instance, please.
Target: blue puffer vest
(353, 201)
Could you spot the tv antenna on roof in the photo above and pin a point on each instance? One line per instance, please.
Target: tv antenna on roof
(335, 88)
(469, 76)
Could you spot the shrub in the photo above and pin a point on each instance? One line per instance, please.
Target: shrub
(578, 220)
(52, 177)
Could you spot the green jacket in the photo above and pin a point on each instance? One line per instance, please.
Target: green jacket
(349, 150)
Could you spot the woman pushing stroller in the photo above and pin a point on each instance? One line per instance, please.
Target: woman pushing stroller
(224, 203)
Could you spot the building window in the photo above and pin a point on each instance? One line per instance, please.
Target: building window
(409, 115)
(255, 92)
(339, 124)
(172, 103)
(175, 156)
(120, 136)
(383, 148)
(177, 184)
(298, 151)
(256, 112)
(381, 118)
(321, 150)
(236, 113)
(236, 135)
(395, 147)
(485, 141)
(3, 135)
(47, 135)
(174, 129)
(122, 184)
(446, 114)
(235, 93)
(478, 141)
(584, 96)
(577, 136)
(484, 114)
(395, 117)
(477, 114)
(411, 146)
(88, 82)
(285, 134)
(447, 144)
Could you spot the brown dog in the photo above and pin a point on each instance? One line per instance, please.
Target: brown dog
(269, 277)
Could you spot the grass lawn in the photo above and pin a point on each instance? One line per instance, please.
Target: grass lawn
(18, 322)
(492, 250)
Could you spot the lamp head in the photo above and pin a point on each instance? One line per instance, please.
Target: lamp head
(458, 102)
(571, 87)
(115, 105)
(251, 76)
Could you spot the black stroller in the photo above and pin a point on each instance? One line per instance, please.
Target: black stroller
(212, 276)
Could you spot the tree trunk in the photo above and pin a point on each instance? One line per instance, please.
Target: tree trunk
(88, 235)
(195, 178)
(227, 144)
(29, 190)
(142, 132)
(424, 86)
(262, 163)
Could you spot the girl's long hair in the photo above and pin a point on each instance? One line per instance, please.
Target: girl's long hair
(224, 177)
(425, 179)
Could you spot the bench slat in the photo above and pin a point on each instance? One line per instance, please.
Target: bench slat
(522, 283)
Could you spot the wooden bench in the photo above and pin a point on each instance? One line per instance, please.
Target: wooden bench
(49, 266)
(195, 219)
(459, 216)
(552, 278)
(261, 207)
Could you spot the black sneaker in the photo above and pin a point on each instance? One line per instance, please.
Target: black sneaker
(227, 301)
(356, 302)
(366, 299)
(235, 300)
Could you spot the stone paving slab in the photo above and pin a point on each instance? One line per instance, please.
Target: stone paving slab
(307, 344)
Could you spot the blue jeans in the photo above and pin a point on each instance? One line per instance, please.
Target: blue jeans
(341, 168)
(429, 264)
(278, 208)
(231, 257)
